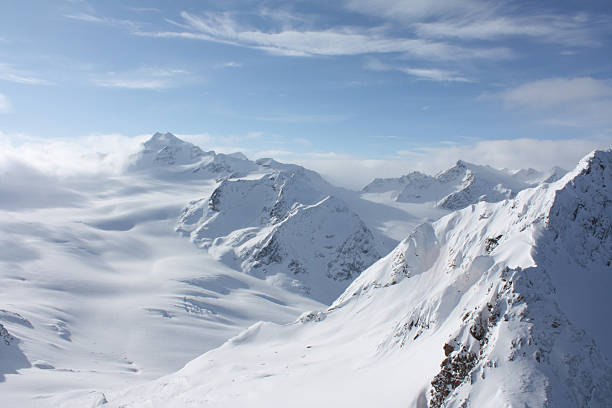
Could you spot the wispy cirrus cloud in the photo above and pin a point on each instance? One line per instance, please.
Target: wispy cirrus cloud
(12, 74)
(145, 79)
(488, 20)
(411, 10)
(103, 20)
(574, 30)
(337, 41)
(425, 74)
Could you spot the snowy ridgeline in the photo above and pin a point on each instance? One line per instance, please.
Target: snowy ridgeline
(462, 185)
(496, 305)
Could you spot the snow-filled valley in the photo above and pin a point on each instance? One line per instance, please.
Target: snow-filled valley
(197, 279)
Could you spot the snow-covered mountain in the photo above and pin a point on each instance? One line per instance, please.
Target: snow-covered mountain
(533, 176)
(497, 304)
(284, 226)
(461, 185)
(166, 155)
(279, 222)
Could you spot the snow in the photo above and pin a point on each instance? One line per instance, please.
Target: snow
(501, 303)
(470, 310)
(461, 185)
(284, 227)
(101, 292)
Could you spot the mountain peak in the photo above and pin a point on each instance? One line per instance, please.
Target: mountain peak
(167, 139)
(461, 163)
(596, 157)
(165, 149)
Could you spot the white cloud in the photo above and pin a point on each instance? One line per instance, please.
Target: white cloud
(355, 172)
(541, 154)
(486, 20)
(94, 154)
(427, 74)
(95, 19)
(145, 78)
(577, 102)
(109, 154)
(11, 74)
(410, 10)
(5, 104)
(567, 30)
(555, 92)
(223, 28)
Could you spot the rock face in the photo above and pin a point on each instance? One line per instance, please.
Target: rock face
(11, 356)
(462, 185)
(498, 304)
(283, 226)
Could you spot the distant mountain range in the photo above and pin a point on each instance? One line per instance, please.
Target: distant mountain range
(462, 185)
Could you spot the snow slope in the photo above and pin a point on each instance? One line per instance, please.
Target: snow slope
(498, 304)
(98, 291)
(101, 292)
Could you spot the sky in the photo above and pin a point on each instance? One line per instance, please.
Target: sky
(353, 88)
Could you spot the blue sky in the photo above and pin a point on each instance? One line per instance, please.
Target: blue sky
(388, 81)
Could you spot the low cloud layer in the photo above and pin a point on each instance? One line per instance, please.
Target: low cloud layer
(102, 155)
(355, 173)
(89, 155)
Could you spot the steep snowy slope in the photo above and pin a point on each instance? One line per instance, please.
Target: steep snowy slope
(285, 227)
(496, 305)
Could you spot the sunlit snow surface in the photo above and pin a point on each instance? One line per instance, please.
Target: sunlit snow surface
(101, 292)
(497, 305)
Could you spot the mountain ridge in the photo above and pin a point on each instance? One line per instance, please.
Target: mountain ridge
(463, 184)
